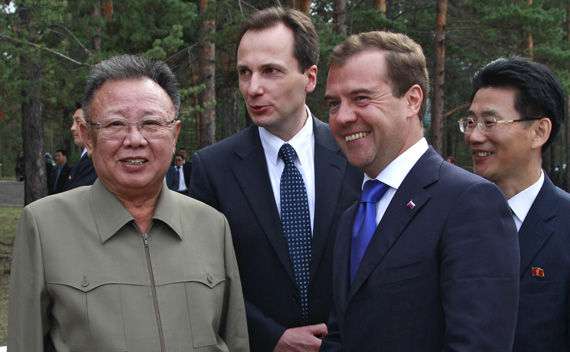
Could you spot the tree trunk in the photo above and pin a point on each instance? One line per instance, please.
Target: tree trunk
(303, 5)
(96, 39)
(340, 18)
(228, 95)
(437, 127)
(207, 75)
(32, 124)
(529, 41)
(380, 5)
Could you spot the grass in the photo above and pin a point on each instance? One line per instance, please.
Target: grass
(9, 217)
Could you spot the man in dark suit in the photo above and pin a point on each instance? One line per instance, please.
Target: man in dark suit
(246, 177)
(60, 172)
(178, 177)
(508, 153)
(186, 165)
(428, 260)
(83, 173)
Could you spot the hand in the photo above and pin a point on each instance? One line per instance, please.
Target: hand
(301, 339)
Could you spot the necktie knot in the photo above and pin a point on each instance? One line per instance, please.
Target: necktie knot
(373, 190)
(287, 154)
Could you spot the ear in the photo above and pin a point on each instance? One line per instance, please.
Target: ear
(87, 138)
(541, 131)
(311, 73)
(414, 97)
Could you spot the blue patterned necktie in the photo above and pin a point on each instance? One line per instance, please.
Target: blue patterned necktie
(296, 223)
(365, 222)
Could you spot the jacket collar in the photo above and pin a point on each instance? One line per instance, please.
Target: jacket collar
(111, 215)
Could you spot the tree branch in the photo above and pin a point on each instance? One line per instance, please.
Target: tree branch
(7, 37)
(87, 51)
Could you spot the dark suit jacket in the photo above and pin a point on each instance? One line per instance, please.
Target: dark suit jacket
(171, 179)
(232, 176)
(60, 182)
(544, 304)
(439, 276)
(83, 174)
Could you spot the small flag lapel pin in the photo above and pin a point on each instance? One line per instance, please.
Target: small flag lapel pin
(537, 271)
(411, 204)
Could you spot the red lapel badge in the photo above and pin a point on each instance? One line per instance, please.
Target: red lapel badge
(411, 204)
(537, 271)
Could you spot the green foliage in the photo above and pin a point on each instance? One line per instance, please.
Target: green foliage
(477, 33)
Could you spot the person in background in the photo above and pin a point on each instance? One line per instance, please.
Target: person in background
(60, 173)
(427, 260)
(517, 110)
(254, 177)
(135, 266)
(178, 177)
(83, 173)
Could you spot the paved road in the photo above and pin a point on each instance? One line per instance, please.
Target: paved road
(11, 193)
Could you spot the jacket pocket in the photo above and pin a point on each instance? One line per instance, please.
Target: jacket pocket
(89, 315)
(205, 296)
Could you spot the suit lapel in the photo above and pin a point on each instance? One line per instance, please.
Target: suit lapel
(329, 173)
(253, 178)
(398, 215)
(341, 262)
(535, 230)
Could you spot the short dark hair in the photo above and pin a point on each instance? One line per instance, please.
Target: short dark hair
(78, 105)
(178, 154)
(306, 41)
(539, 92)
(181, 148)
(62, 151)
(126, 66)
(405, 60)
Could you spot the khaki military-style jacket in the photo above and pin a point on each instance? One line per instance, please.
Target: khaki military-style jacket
(84, 278)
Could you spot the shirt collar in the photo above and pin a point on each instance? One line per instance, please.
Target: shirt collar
(110, 214)
(395, 173)
(271, 143)
(521, 202)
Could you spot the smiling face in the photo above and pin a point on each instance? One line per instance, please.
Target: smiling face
(370, 124)
(508, 154)
(134, 164)
(270, 82)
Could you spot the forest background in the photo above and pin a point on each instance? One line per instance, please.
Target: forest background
(47, 48)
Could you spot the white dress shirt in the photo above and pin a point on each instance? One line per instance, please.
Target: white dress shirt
(304, 144)
(521, 202)
(395, 173)
(182, 181)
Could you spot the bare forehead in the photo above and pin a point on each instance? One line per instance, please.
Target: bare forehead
(131, 96)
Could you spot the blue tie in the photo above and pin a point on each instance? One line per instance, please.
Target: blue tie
(365, 222)
(296, 223)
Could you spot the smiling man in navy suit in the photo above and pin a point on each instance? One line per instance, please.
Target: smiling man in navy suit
(256, 177)
(516, 112)
(428, 259)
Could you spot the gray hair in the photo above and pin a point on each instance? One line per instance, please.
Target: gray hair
(125, 66)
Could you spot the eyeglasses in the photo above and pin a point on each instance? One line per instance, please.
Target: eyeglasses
(117, 128)
(467, 125)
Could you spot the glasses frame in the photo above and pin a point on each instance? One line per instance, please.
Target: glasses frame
(484, 129)
(129, 123)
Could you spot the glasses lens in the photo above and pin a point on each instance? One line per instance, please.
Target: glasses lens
(466, 125)
(113, 128)
(153, 127)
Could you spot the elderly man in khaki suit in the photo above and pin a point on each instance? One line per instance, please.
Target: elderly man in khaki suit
(136, 267)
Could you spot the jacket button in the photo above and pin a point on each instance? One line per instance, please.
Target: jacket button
(295, 298)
